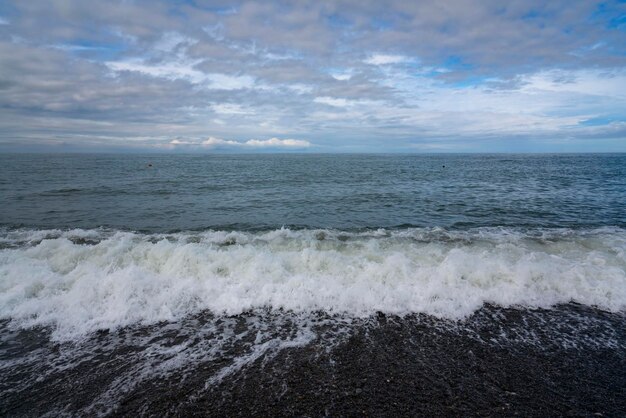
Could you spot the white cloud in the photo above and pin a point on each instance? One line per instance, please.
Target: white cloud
(184, 70)
(229, 82)
(346, 103)
(230, 109)
(170, 71)
(3, 21)
(341, 76)
(275, 142)
(300, 88)
(216, 32)
(179, 142)
(590, 82)
(251, 143)
(332, 101)
(77, 48)
(211, 142)
(174, 64)
(279, 57)
(383, 59)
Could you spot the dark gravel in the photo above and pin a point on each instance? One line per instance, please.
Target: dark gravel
(569, 361)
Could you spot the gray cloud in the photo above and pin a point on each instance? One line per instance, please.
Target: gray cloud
(347, 74)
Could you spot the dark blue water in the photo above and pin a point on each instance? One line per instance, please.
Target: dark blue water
(251, 192)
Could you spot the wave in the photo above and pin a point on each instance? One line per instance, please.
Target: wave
(80, 281)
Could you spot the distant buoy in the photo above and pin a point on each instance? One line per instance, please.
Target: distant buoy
(149, 164)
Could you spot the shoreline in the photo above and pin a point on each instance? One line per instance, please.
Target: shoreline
(568, 360)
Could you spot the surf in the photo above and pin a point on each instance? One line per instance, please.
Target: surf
(80, 281)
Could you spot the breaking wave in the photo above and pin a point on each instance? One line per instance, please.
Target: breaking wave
(79, 281)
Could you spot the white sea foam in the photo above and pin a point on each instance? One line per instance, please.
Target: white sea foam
(80, 281)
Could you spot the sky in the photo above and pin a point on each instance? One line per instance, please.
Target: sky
(313, 76)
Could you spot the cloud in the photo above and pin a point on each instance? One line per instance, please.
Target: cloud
(185, 71)
(78, 48)
(213, 142)
(275, 142)
(382, 59)
(230, 109)
(300, 88)
(170, 71)
(332, 101)
(230, 82)
(341, 75)
(171, 40)
(179, 142)
(137, 74)
(168, 58)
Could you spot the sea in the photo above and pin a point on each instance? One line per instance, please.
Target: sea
(312, 284)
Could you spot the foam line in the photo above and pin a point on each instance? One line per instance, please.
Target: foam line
(80, 281)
